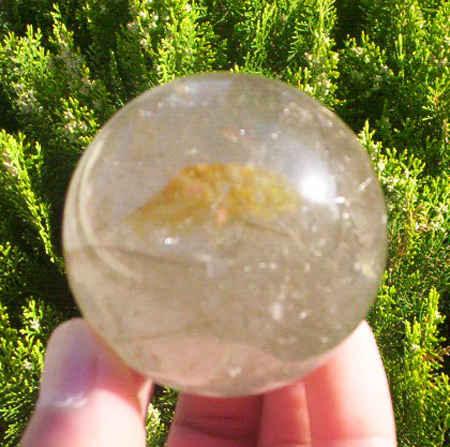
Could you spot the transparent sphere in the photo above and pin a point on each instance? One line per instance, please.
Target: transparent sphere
(223, 233)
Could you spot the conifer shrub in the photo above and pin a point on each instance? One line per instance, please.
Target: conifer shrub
(67, 65)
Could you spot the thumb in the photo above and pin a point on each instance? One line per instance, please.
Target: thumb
(88, 397)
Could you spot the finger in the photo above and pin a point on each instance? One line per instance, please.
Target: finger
(284, 418)
(88, 397)
(348, 397)
(211, 422)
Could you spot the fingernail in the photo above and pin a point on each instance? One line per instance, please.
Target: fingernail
(70, 366)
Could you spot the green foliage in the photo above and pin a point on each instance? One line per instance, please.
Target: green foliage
(160, 415)
(18, 14)
(408, 315)
(21, 190)
(291, 41)
(21, 361)
(67, 66)
(396, 74)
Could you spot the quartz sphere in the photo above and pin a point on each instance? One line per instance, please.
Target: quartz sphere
(223, 233)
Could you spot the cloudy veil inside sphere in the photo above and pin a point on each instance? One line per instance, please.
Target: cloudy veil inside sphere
(223, 233)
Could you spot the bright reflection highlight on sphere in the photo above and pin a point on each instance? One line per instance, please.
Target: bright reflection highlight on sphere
(316, 188)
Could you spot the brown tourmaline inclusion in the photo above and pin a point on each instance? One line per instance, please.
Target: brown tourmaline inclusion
(218, 193)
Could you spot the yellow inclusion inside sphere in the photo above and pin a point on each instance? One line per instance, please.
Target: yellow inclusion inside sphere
(221, 193)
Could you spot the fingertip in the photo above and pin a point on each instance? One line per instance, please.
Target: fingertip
(285, 418)
(207, 421)
(87, 394)
(348, 397)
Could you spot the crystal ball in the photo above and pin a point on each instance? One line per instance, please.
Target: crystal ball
(223, 233)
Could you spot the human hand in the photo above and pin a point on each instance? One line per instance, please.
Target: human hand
(89, 398)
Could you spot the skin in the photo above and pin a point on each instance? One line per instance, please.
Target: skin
(90, 398)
